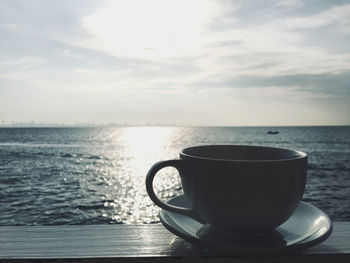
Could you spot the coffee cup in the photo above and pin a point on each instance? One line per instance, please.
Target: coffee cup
(237, 188)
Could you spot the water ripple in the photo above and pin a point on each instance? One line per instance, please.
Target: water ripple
(96, 176)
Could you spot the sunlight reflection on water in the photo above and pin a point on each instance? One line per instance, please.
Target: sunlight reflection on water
(141, 147)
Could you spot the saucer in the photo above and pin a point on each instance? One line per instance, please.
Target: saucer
(307, 227)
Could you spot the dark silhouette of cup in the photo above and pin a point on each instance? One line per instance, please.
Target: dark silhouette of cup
(237, 188)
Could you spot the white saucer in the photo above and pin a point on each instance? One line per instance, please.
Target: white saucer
(307, 227)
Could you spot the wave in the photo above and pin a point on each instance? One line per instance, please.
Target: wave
(340, 167)
(95, 157)
(19, 144)
(67, 155)
(91, 207)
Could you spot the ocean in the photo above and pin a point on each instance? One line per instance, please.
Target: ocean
(56, 176)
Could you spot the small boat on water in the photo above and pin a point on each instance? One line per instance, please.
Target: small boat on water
(273, 132)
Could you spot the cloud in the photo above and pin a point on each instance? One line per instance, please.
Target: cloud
(135, 58)
(289, 3)
(150, 29)
(22, 63)
(337, 17)
(319, 86)
(224, 51)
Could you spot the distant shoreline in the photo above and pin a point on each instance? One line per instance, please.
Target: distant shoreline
(160, 126)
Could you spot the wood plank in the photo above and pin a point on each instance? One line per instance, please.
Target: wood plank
(129, 241)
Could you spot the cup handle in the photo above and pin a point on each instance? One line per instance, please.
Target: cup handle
(177, 164)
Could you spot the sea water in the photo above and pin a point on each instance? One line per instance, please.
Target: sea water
(55, 176)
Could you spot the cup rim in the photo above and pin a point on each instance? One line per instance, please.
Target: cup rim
(298, 154)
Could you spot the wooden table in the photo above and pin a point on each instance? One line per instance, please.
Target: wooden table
(139, 243)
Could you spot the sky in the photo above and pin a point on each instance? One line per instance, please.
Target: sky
(183, 62)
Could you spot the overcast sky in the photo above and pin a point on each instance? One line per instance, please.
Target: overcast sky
(175, 62)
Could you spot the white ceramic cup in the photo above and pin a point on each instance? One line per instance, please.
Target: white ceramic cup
(237, 188)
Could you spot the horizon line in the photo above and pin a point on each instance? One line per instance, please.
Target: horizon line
(49, 125)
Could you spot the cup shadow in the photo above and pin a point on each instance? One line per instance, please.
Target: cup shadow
(220, 240)
(219, 244)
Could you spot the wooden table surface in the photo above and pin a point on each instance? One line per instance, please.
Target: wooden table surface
(140, 243)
